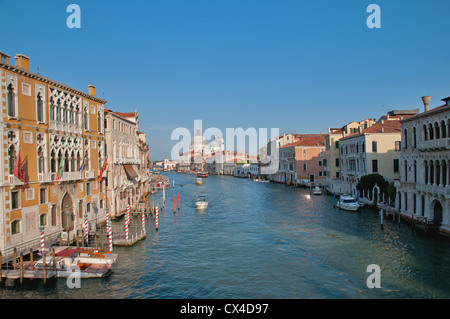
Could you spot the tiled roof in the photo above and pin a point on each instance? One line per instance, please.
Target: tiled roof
(385, 126)
(308, 140)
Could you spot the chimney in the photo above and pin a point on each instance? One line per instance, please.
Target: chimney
(426, 102)
(22, 61)
(91, 89)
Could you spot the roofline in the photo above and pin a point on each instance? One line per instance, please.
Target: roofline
(437, 110)
(38, 77)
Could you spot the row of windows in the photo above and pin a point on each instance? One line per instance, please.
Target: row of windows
(61, 113)
(16, 224)
(43, 198)
(429, 132)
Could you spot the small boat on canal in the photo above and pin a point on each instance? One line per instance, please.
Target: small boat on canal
(199, 181)
(201, 202)
(68, 261)
(317, 191)
(202, 174)
(348, 203)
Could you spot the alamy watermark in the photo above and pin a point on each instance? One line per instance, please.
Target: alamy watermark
(374, 279)
(196, 149)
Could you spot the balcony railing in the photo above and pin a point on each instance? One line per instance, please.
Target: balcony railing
(442, 143)
(14, 181)
(89, 174)
(45, 177)
(434, 189)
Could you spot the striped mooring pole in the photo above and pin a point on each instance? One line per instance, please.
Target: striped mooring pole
(143, 222)
(42, 239)
(128, 215)
(156, 217)
(126, 229)
(108, 229)
(86, 235)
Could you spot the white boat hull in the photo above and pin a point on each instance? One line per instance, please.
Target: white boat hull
(201, 205)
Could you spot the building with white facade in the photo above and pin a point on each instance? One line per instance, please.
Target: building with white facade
(423, 190)
(127, 165)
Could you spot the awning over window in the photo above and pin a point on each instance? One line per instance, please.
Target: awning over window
(131, 173)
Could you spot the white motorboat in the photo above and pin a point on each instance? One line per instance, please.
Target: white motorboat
(348, 203)
(317, 191)
(201, 202)
(199, 181)
(88, 267)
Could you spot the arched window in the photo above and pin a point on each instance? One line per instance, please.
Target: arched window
(414, 137)
(431, 173)
(40, 157)
(53, 161)
(430, 131)
(40, 108)
(72, 162)
(99, 122)
(443, 129)
(11, 101)
(52, 109)
(406, 139)
(406, 171)
(437, 130)
(11, 158)
(66, 162)
(43, 220)
(415, 171)
(425, 134)
(444, 173)
(438, 173)
(78, 160)
(58, 111)
(15, 227)
(425, 165)
(86, 118)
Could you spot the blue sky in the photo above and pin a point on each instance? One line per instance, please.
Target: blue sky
(300, 66)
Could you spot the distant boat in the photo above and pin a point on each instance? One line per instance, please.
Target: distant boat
(201, 202)
(317, 191)
(202, 174)
(348, 203)
(199, 181)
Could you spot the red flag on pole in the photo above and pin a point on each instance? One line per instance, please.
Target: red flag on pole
(99, 177)
(18, 170)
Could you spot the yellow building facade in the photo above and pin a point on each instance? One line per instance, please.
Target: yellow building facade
(58, 133)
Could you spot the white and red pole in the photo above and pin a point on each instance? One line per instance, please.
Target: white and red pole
(156, 217)
(42, 239)
(108, 229)
(86, 235)
(128, 214)
(143, 223)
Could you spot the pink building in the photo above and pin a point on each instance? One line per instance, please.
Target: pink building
(302, 160)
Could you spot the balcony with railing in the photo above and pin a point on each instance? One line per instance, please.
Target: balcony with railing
(45, 177)
(89, 174)
(14, 181)
(434, 189)
(437, 144)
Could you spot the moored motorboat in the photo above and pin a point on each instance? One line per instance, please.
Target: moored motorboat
(317, 191)
(87, 267)
(348, 203)
(201, 202)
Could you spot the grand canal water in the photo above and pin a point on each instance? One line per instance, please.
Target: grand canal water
(259, 240)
